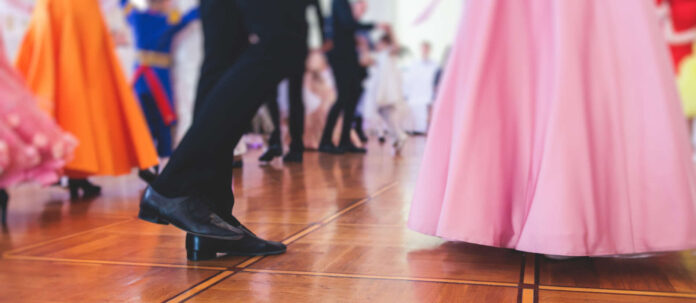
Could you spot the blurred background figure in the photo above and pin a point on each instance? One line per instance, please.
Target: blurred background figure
(349, 74)
(365, 47)
(389, 91)
(154, 30)
(295, 97)
(678, 19)
(420, 89)
(82, 86)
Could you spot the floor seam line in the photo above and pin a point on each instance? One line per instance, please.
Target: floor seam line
(114, 263)
(622, 292)
(25, 248)
(378, 277)
(224, 275)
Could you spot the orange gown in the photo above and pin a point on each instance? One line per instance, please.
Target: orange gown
(68, 60)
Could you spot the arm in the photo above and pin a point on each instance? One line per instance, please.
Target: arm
(178, 23)
(320, 16)
(128, 9)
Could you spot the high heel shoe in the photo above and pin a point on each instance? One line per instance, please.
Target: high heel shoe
(4, 199)
(89, 190)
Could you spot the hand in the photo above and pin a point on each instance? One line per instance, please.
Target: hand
(327, 46)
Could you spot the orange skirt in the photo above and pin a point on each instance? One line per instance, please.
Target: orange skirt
(68, 60)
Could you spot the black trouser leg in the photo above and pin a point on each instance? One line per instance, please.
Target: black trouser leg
(297, 109)
(350, 88)
(224, 41)
(272, 106)
(345, 104)
(334, 112)
(202, 163)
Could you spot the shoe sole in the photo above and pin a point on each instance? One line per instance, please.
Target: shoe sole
(199, 255)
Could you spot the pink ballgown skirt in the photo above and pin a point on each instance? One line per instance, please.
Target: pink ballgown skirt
(558, 130)
(32, 147)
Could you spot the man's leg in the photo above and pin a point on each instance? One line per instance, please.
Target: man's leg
(224, 41)
(205, 153)
(273, 110)
(353, 88)
(194, 190)
(275, 145)
(343, 88)
(297, 110)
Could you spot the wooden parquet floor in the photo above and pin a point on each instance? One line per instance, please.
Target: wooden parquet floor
(344, 219)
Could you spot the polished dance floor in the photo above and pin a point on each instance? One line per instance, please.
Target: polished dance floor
(343, 218)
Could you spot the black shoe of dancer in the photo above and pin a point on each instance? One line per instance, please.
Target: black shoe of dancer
(271, 153)
(329, 148)
(89, 190)
(190, 214)
(293, 156)
(203, 248)
(350, 148)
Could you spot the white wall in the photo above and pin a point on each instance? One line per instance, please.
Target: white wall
(439, 29)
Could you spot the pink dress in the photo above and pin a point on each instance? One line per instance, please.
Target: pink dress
(32, 147)
(558, 130)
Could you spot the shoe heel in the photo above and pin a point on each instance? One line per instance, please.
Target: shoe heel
(200, 255)
(4, 199)
(150, 215)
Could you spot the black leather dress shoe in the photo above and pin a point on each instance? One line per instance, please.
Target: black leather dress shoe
(350, 148)
(203, 248)
(293, 156)
(190, 214)
(330, 149)
(273, 152)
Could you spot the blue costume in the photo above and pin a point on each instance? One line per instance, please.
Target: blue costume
(154, 33)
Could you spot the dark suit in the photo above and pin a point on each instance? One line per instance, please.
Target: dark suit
(345, 63)
(248, 44)
(295, 81)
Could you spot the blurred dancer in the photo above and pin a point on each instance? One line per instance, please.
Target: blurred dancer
(389, 91)
(687, 80)
(420, 90)
(32, 146)
(365, 48)
(544, 140)
(250, 45)
(679, 24)
(347, 71)
(295, 89)
(154, 30)
(81, 85)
